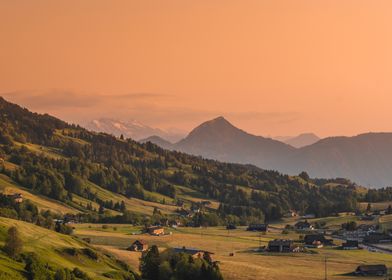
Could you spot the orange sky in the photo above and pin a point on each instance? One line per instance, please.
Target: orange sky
(277, 67)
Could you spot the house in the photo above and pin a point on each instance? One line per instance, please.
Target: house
(258, 227)
(309, 216)
(303, 225)
(16, 197)
(371, 270)
(282, 246)
(195, 253)
(350, 245)
(316, 240)
(377, 237)
(290, 214)
(156, 230)
(138, 246)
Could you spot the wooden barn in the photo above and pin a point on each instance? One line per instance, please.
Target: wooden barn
(138, 246)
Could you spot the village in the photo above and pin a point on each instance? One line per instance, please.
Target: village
(325, 242)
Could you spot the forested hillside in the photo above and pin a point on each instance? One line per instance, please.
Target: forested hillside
(71, 165)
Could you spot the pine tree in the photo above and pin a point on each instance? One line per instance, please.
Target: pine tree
(13, 244)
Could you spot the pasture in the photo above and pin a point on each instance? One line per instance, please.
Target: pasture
(246, 264)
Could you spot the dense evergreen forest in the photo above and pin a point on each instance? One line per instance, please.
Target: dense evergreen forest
(245, 193)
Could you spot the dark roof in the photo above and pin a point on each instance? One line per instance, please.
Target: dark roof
(280, 242)
(155, 227)
(258, 227)
(315, 237)
(302, 224)
(190, 251)
(143, 242)
(375, 267)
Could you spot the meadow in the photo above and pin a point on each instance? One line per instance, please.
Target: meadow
(247, 263)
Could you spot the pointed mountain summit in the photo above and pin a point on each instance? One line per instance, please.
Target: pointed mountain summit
(302, 140)
(219, 139)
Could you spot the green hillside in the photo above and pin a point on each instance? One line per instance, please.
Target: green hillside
(100, 176)
(56, 250)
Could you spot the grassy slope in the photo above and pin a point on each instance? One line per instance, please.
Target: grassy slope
(48, 245)
(7, 186)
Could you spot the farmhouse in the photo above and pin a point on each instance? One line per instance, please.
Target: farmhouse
(17, 197)
(138, 246)
(195, 253)
(303, 225)
(316, 240)
(371, 270)
(282, 246)
(258, 227)
(156, 230)
(350, 245)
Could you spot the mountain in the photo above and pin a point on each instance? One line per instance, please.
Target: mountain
(302, 140)
(130, 129)
(96, 177)
(158, 141)
(365, 159)
(219, 139)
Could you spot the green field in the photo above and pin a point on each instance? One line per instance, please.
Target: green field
(246, 263)
(50, 247)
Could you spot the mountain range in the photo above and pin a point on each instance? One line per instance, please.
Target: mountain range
(131, 129)
(365, 159)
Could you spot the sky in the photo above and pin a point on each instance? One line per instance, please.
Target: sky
(278, 67)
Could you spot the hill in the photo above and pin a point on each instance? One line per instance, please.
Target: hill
(57, 251)
(109, 179)
(158, 141)
(219, 139)
(364, 159)
(302, 140)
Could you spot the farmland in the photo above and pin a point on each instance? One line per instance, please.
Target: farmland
(246, 262)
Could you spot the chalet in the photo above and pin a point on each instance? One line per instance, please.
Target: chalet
(303, 225)
(377, 237)
(258, 227)
(316, 240)
(156, 230)
(138, 246)
(195, 253)
(371, 270)
(282, 246)
(350, 245)
(16, 197)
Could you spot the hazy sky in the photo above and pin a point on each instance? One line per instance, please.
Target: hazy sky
(277, 67)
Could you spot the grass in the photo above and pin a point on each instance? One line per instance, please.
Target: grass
(246, 264)
(7, 186)
(49, 246)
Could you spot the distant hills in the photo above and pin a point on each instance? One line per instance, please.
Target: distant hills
(302, 140)
(130, 129)
(365, 159)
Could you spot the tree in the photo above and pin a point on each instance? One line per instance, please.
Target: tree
(150, 264)
(13, 244)
(389, 210)
(369, 207)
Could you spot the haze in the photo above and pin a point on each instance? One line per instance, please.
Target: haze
(271, 67)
